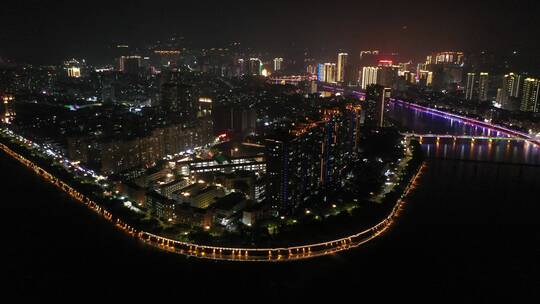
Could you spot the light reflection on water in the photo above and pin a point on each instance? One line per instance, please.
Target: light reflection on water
(413, 120)
(423, 122)
(483, 150)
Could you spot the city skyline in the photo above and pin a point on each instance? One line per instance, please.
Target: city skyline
(88, 30)
(271, 150)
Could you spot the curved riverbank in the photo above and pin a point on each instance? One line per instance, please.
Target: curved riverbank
(228, 253)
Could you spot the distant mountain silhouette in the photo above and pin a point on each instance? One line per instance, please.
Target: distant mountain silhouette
(6, 63)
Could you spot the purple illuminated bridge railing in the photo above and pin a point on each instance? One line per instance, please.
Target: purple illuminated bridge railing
(475, 122)
(472, 121)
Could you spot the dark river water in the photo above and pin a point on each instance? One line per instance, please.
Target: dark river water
(469, 232)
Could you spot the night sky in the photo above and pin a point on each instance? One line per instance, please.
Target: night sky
(50, 31)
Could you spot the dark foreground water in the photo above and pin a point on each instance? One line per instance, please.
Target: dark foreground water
(469, 232)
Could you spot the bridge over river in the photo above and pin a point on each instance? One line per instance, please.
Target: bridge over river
(493, 143)
(450, 136)
(473, 138)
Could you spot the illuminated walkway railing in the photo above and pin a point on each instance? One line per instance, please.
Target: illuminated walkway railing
(229, 253)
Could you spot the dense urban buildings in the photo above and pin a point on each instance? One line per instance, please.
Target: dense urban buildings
(530, 102)
(384, 96)
(341, 67)
(193, 147)
(311, 155)
(278, 64)
(369, 76)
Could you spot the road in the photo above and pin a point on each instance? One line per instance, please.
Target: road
(227, 253)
